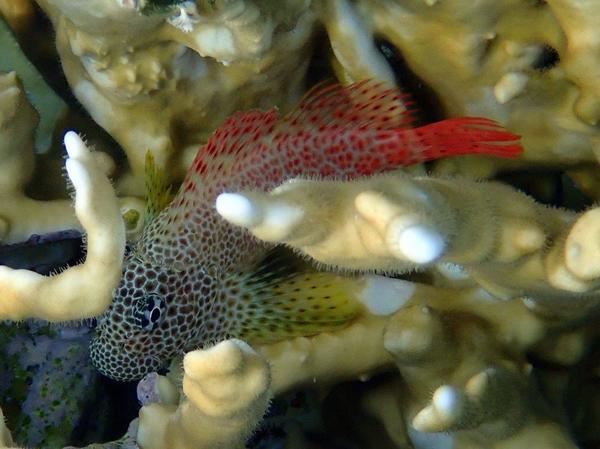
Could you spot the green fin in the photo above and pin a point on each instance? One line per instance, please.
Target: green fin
(158, 193)
(275, 305)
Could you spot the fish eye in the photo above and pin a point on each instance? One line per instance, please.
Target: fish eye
(149, 311)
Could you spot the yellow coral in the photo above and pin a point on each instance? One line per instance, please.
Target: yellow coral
(85, 290)
(226, 390)
(122, 66)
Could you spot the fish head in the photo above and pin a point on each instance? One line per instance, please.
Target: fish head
(155, 314)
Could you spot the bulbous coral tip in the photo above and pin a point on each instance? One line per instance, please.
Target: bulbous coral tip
(225, 357)
(237, 209)
(74, 144)
(444, 412)
(384, 296)
(420, 243)
(448, 401)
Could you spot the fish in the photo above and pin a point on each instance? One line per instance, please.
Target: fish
(192, 279)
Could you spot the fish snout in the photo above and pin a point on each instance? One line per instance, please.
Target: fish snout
(111, 361)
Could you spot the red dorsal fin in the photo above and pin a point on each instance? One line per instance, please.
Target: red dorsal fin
(366, 104)
(240, 131)
(337, 131)
(248, 142)
(241, 134)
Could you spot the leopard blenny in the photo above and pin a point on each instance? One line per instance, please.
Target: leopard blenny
(193, 279)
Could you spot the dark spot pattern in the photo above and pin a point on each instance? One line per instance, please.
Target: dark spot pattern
(187, 255)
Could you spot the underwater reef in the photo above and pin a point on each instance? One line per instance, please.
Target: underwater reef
(300, 224)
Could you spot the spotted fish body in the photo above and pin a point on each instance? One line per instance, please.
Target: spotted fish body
(193, 278)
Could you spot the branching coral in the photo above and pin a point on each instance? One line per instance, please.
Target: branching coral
(84, 290)
(578, 21)
(511, 60)
(123, 65)
(163, 78)
(49, 106)
(418, 333)
(458, 350)
(461, 365)
(21, 216)
(352, 43)
(488, 231)
(327, 358)
(227, 391)
(18, 13)
(514, 61)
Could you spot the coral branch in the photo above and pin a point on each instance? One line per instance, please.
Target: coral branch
(488, 232)
(227, 392)
(122, 65)
(582, 257)
(84, 290)
(49, 105)
(18, 13)
(21, 216)
(358, 227)
(578, 22)
(5, 438)
(365, 224)
(493, 397)
(413, 335)
(326, 358)
(523, 64)
(352, 43)
(457, 375)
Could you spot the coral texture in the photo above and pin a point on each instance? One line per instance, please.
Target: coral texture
(452, 338)
(123, 66)
(523, 63)
(397, 223)
(483, 334)
(226, 390)
(49, 106)
(463, 378)
(18, 13)
(58, 298)
(21, 216)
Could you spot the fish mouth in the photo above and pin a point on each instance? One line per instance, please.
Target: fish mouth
(117, 364)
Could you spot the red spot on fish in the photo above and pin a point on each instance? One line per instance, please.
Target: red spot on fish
(188, 186)
(334, 132)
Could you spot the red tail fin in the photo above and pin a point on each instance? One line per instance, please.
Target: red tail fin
(457, 136)
(466, 135)
(451, 137)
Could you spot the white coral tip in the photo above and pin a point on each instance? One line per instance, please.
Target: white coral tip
(420, 243)
(384, 296)
(74, 145)
(448, 402)
(238, 209)
(509, 86)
